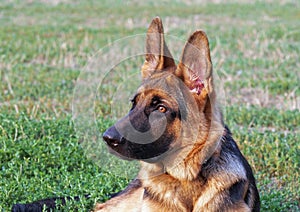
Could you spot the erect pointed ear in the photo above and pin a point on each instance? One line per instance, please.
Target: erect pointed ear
(158, 56)
(195, 67)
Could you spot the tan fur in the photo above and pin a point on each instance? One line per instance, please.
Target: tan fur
(187, 179)
(132, 203)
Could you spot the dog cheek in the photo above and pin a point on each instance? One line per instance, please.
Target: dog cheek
(173, 134)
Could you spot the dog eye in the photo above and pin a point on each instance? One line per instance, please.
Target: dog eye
(162, 109)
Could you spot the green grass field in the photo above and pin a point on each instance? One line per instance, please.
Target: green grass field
(44, 46)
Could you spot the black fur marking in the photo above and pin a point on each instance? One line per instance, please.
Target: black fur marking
(49, 204)
(134, 184)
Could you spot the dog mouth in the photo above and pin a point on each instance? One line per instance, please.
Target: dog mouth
(112, 151)
(128, 150)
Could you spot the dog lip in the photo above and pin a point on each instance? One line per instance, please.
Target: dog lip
(111, 141)
(111, 150)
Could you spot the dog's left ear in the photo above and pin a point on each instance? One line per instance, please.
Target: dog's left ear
(158, 56)
(195, 67)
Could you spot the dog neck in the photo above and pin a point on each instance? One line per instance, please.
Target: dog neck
(189, 167)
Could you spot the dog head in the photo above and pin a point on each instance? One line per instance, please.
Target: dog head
(174, 107)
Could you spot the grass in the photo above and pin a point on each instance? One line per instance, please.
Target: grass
(44, 46)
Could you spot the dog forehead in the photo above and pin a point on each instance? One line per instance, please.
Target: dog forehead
(161, 81)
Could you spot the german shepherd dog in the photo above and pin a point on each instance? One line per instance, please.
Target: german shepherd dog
(189, 161)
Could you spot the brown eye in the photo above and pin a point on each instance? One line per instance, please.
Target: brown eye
(162, 109)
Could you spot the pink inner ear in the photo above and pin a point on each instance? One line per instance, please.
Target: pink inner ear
(196, 86)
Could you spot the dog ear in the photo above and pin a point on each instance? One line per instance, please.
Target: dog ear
(195, 67)
(158, 56)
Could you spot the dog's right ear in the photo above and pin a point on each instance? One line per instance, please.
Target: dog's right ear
(195, 67)
(158, 56)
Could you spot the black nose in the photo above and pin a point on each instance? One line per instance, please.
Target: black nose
(112, 137)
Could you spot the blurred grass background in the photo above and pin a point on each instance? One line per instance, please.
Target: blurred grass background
(44, 45)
